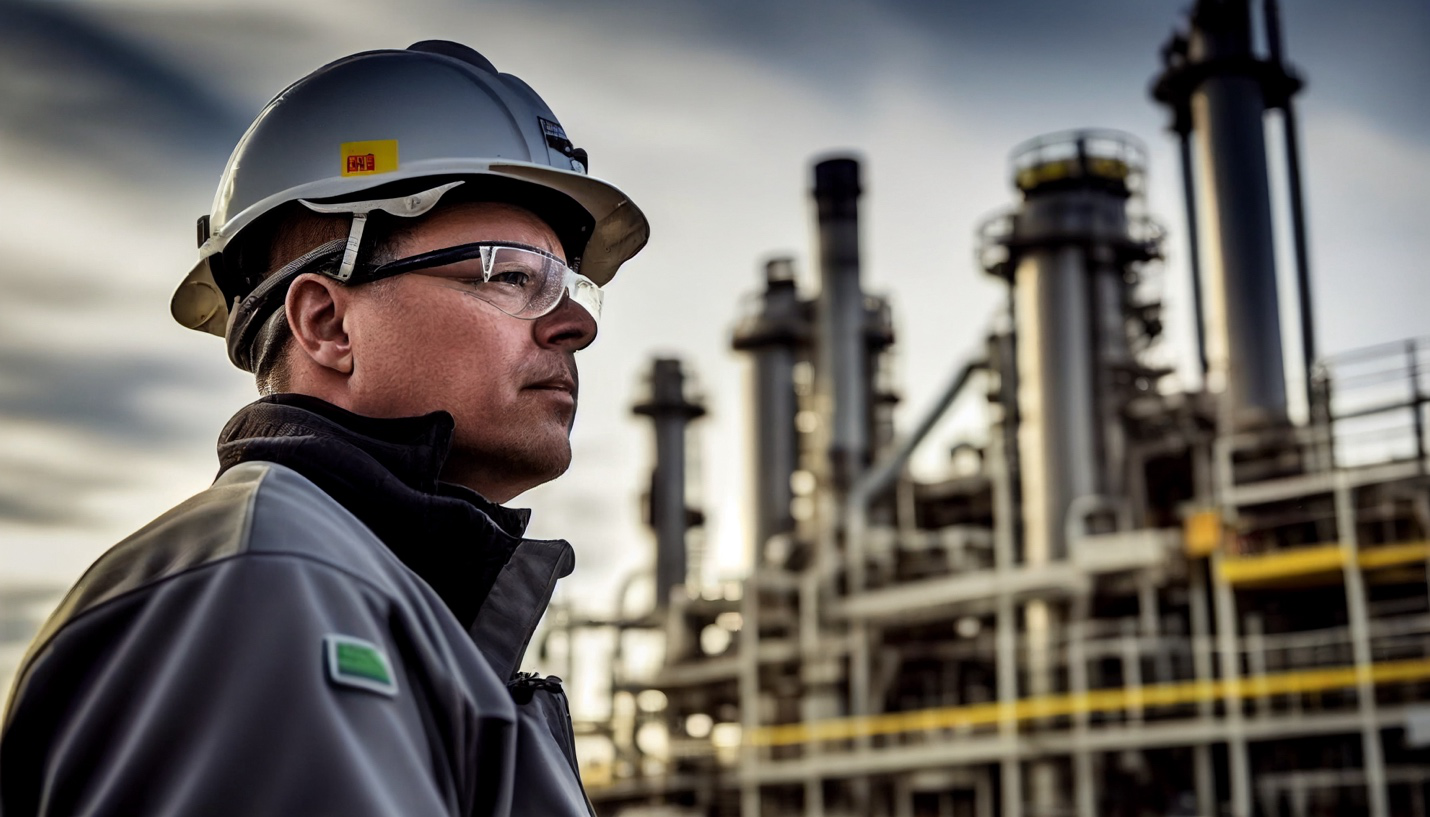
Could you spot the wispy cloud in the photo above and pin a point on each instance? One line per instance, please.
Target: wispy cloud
(73, 87)
(115, 119)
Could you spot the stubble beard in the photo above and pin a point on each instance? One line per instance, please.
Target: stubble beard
(522, 450)
(520, 459)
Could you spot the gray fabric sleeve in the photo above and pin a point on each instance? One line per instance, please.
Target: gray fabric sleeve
(208, 693)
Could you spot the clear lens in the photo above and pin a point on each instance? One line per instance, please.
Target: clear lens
(519, 282)
(587, 293)
(522, 282)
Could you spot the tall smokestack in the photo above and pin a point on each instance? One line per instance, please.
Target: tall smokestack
(841, 376)
(670, 412)
(1218, 90)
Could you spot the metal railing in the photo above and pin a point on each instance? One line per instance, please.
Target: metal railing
(1375, 400)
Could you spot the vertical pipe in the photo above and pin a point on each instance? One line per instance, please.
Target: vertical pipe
(1412, 361)
(1202, 769)
(1256, 662)
(1046, 783)
(1298, 238)
(903, 797)
(1148, 604)
(983, 792)
(1006, 621)
(749, 688)
(1132, 670)
(1003, 349)
(861, 702)
(1194, 251)
(843, 382)
(1237, 760)
(813, 796)
(1371, 749)
(1297, 202)
(1084, 786)
(1227, 635)
(1298, 797)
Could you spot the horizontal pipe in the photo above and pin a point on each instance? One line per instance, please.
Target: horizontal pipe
(1300, 682)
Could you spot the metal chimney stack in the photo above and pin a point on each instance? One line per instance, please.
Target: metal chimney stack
(670, 411)
(1219, 92)
(841, 377)
(774, 336)
(1068, 248)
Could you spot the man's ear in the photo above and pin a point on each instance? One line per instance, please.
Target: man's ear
(315, 307)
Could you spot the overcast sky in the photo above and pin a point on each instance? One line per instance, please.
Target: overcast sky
(116, 117)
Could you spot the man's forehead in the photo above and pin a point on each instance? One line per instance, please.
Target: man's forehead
(468, 222)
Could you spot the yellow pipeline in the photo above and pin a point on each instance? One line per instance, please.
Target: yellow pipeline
(1318, 559)
(1101, 700)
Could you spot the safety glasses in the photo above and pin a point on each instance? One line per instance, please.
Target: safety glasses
(524, 282)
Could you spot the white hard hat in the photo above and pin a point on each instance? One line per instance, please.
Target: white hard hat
(437, 110)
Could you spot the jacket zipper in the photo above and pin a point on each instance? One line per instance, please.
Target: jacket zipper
(523, 688)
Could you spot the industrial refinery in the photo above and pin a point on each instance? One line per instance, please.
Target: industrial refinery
(1123, 598)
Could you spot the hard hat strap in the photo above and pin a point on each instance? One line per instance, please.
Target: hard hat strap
(350, 251)
(247, 317)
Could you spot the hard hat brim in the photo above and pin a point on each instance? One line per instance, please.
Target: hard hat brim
(620, 228)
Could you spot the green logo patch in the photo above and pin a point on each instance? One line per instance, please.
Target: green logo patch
(357, 663)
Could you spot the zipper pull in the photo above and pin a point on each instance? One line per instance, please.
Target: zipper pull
(525, 684)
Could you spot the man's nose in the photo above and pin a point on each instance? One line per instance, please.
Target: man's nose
(569, 326)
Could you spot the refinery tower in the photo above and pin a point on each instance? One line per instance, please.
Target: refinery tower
(1127, 599)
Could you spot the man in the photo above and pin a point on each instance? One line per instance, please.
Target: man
(406, 251)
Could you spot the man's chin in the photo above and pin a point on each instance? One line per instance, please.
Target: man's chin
(502, 474)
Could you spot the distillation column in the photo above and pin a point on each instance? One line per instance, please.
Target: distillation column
(670, 411)
(1068, 250)
(774, 337)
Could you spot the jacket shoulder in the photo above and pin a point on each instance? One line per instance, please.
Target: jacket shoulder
(253, 508)
(207, 527)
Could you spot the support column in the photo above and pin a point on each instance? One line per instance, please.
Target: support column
(1084, 786)
(903, 797)
(1374, 757)
(1256, 663)
(1006, 623)
(1225, 602)
(1202, 770)
(983, 793)
(750, 693)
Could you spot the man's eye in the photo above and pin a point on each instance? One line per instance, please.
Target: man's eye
(515, 278)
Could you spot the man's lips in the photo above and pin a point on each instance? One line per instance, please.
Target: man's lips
(561, 384)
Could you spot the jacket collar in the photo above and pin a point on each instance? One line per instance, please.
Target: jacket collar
(386, 473)
(412, 449)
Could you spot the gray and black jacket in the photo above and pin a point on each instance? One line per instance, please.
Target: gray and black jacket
(328, 629)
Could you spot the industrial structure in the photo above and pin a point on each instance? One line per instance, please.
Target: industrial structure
(1126, 599)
